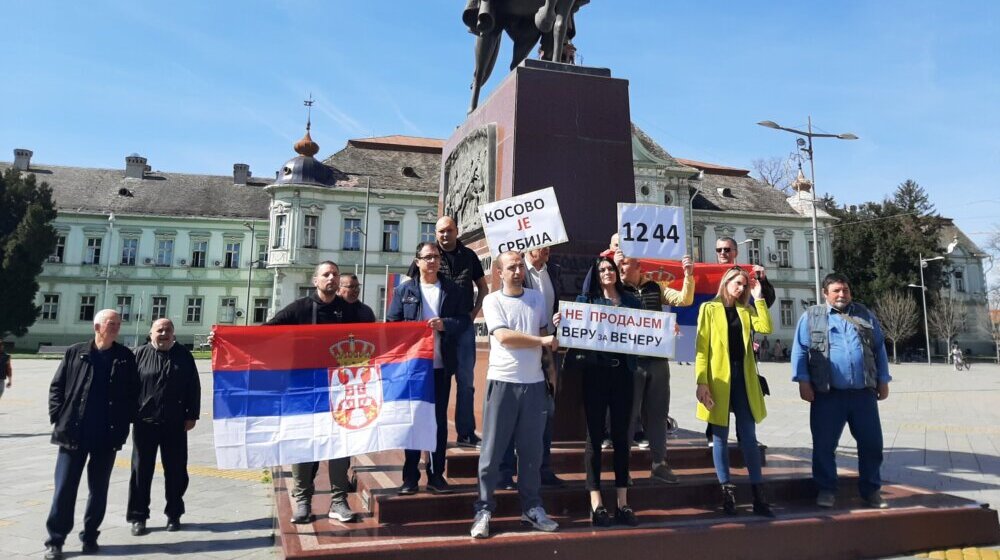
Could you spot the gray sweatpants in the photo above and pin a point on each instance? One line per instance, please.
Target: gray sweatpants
(515, 411)
(304, 475)
(651, 404)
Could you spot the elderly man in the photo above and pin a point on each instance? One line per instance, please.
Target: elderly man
(350, 290)
(169, 404)
(516, 407)
(437, 301)
(92, 400)
(461, 265)
(651, 399)
(840, 363)
(543, 276)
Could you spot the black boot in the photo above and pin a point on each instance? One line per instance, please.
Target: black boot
(760, 505)
(729, 498)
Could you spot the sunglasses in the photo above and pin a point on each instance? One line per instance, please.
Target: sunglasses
(723, 250)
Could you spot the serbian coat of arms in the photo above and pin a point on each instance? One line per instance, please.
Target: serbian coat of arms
(355, 384)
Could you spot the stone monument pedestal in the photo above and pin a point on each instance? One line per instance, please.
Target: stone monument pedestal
(547, 125)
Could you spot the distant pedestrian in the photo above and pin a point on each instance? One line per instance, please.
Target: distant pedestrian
(765, 350)
(778, 351)
(169, 405)
(6, 371)
(840, 363)
(93, 399)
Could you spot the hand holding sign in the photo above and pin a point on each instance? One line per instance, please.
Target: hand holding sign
(651, 231)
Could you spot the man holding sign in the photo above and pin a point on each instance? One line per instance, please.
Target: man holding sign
(651, 399)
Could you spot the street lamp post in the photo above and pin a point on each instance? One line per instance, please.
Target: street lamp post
(807, 147)
(110, 251)
(923, 296)
(364, 235)
(249, 225)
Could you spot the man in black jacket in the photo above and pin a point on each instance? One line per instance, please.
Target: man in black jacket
(92, 400)
(169, 404)
(321, 307)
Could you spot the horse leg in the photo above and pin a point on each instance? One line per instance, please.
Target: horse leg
(545, 16)
(525, 36)
(487, 47)
(560, 28)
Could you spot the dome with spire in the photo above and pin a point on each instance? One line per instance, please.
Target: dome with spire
(306, 169)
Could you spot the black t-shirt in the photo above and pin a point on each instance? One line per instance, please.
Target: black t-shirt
(94, 429)
(303, 311)
(462, 267)
(736, 350)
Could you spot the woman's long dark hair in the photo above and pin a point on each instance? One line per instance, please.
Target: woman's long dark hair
(594, 290)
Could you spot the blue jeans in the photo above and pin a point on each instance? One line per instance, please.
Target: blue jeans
(465, 378)
(858, 409)
(69, 470)
(746, 432)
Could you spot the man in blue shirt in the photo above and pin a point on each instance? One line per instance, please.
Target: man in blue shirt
(840, 363)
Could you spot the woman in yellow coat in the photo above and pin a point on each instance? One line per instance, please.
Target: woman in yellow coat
(727, 379)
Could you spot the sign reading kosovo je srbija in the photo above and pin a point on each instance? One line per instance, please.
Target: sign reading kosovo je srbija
(616, 329)
(524, 222)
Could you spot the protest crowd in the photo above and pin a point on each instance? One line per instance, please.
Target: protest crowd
(616, 332)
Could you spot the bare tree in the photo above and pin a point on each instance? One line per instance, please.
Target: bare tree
(946, 320)
(774, 171)
(898, 315)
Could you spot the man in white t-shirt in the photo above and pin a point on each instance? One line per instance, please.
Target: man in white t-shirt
(516, 394)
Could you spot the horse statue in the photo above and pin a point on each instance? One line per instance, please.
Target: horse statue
(526, 22)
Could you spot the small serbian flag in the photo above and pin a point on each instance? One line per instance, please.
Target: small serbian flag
(706, 286)
(296, 394)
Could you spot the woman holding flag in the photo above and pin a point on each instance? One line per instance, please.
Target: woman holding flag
(727, 378)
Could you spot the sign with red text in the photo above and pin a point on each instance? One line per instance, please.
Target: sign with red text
(651, 231)
(616, 329)
(524, 222)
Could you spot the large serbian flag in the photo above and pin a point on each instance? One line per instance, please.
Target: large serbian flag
(706, 286)
(295, 394)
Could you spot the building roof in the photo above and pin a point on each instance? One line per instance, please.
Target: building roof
(729, 193)
(395, 164)
(99, 191)
(714, 168)
(949, 232)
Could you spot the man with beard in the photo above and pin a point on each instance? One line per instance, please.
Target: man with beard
(350, 290)
(169, 404)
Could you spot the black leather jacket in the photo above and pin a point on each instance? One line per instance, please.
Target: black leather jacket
(70, 389)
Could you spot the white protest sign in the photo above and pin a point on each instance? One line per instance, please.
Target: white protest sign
(524, 222)
(616, 329)
(651, 231)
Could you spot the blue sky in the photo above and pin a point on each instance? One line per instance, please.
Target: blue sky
(198, 86)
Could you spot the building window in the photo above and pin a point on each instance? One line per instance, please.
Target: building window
(786, 312)
(280, 230)
(390, 236)
(130, 248)
(124, 307)
(784, 254)
(232, 259)
(696, 248)
(261, 255)
(753, 255)
(381, 301)
(159, 308)
(193, 310)
(227, 310)
(87, 307)
(164, 252)
(260, 307)
(352, 234)
(959, 281)
(50, 307)
(306, 291)
(427, 232)
(93, 253)
(811, 257)
(199, 253)
(310, 232)
(60, 253)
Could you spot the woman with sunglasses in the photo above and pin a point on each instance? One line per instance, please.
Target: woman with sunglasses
(727, 379)
(607, 385)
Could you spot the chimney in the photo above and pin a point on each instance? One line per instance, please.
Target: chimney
(135, 166)
(241, 173)
(22, 159)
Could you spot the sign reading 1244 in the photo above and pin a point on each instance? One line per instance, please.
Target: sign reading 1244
(651, 231)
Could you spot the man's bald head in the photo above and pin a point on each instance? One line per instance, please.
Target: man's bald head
(446, 232)
(161, 334)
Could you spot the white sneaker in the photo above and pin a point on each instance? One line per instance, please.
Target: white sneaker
(481, 525)
(537, 518)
